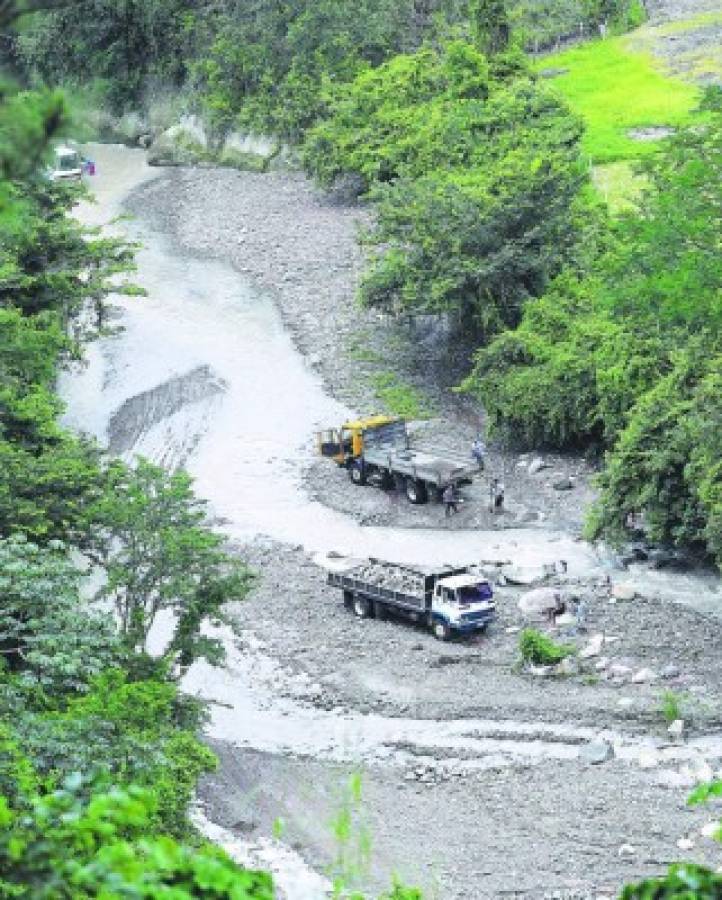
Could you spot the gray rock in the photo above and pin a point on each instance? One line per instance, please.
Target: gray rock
(676, 728)
(624, 591)
(130, 127)
(596, 752)
(650, 133)
(670, 671)
(537, 464)
(644, 676)
(568, 666)
(563, 484)
(593, 648)
(184, 144)
(537, 603)
(619, 670)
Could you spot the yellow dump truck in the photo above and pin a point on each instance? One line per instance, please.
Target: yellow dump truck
(378, 450)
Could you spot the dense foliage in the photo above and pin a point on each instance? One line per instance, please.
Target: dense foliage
(539, 649)
(625, 354)
(475, 169)
(124, 49)
(266, 65)
(78, 691)
(75, 844)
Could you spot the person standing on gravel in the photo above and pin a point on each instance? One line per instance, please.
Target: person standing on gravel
(450, 500)
(478, 451)
(496, 496)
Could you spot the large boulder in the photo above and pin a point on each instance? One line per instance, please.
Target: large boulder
(248, 151)
(624, 591)
(596, 752)
(130, 127)
(538, 603)
(184, 144)
(524, 574)
(537, 464)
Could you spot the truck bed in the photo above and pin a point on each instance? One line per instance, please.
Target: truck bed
(375, 592)
(392, 582)
(424, 465)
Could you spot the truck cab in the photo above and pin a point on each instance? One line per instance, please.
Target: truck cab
(67, 164)
(461, 604)
(346, 443)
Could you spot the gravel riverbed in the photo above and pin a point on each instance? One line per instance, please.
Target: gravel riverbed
(525, 826)
(291, 241)
(467, 821)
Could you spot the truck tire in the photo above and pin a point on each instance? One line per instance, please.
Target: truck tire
(442, 632)
(416, 491)
(357, 473)
(379, 611)
(348, 599)
(361, 607)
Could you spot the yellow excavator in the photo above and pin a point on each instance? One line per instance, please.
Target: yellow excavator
(378, 449)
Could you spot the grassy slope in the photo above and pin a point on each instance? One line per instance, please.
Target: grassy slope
(618, 85)
(616, 88)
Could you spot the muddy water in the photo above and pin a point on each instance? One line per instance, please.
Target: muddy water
(204, 375)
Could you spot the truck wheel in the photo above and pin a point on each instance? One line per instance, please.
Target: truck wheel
(357, 473)
(361, 607)
(387, 481)
(348, 599)
(416, 491)
(442, 631)
(379, 611)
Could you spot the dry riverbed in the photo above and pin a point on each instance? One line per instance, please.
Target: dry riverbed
(512, 805)
(291, 241)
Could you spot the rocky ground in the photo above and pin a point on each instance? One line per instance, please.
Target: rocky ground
(367, 665)
(526, 828)
(686, 35)
(530, 827)
(295, 242)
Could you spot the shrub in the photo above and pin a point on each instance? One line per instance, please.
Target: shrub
(670, 706)
(541, 650)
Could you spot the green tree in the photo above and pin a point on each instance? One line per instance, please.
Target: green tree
(490, 25)
(68, 846)
(160, 555)
(47, 633)
(623, 353)
(476, 180)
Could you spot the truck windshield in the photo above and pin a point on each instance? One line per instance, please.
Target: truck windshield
(67, 162)
(474, 593)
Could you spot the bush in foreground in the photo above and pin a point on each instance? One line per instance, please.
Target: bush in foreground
(541, 650)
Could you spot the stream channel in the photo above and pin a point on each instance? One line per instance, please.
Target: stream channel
(203, 374)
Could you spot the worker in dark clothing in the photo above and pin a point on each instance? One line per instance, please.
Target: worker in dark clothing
(478, 451)
(499, 498)
(496, 496)
(450, 500)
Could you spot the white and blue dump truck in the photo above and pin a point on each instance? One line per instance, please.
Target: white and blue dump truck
(447, 600)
